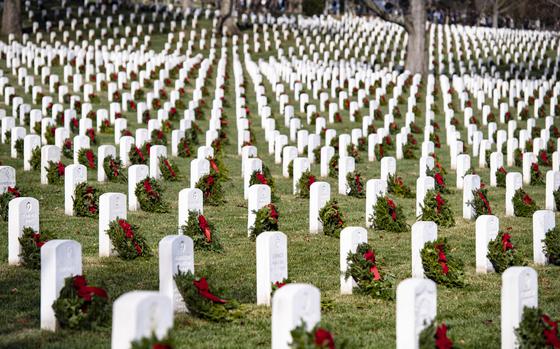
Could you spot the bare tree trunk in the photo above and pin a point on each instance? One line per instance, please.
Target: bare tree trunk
(495, 13)
(228, 22)
(415, 25)
(186, 4)
(11, 18)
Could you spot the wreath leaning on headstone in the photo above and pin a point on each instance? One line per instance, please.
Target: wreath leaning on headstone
(502, 253)
(127, 242)
(441, 267)
(153, 342)
(537, 330)
(31, 243)
(80, 306)
(5, 198)
(355, 185)
(364, 269)
(480, 202)
(316, 338)
(436, 209)
(333, 166)
(212, 190)
(537, 176)
(332, 219)
(139, 156)
(150, 196)
(114, 170)
(201, 302)
(87, 158)
(396, 186)
(388, 216)
(35, 160)
(68, 148)
(552, 245)
(169, 169)
(439, 180)
(435, 337)
(266, 220)
(501, 174)
(202, 232)
(523, 204)
(86, 200)
(264, 177)
(55, 172)
(304, 184)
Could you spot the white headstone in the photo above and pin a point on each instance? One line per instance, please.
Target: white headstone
(73, 175)
(350, 238)
(176, 254)
(22, 212)
(136, 173)
(112, 206)
(272, 263)
(422, 232)
(543, 221)
(487, 227)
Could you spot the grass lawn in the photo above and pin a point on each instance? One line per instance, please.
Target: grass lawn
(472, 312)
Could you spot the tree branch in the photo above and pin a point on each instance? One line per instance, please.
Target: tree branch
(384, 15)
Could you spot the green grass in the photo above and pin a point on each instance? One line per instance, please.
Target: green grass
(473, 312)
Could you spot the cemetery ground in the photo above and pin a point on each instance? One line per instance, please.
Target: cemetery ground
(473, 312)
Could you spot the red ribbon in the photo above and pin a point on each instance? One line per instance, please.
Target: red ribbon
(210, 181)
(75, 122)
(149, 189)
(139, 152)
(113, 166)
(527, 199)
(279, 284)
(506, 243)
(442, 341)
(442, 258)
(535, 167)
(273, 213)
(486, 203)
(204, 291)
(14, 192)
(129, 234)
(440, 202)
(543, 156)
(90, 159)
(261, 178)
(36, 240)
(214, 166)
(203, 224)
(551, 335)
(358, 183)
(169, 168)
(310, 181)
(370, 257)
(392, 209)
(324, 338)
(502, 170)
(86, 292)
(439, 180)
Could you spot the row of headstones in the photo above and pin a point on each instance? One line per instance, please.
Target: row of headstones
(291, 304)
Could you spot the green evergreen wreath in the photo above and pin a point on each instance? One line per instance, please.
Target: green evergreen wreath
(502, 253)
(441, 267)
(50, 133)
(212, 190)
(523, 204)
(537, 330)
(126, 240)
(169, 169)
(480, 202)
(304, 184)
(436, 209)
(435, 337)
(202, 303)
(35, 160)
(537, 177)
(556, 195)
(87, 158)
(355, 185)
(202, 232)
(409, 151)
(19, 147)
(158, 137)
(264, 177)
(55, 172)
(518, 157)
(139, 156)
(150, 196)
(317, 338)
(332, 219)
(501, 174)
(153, 342)
(379, 152)
(333, 166)
(184, 148)
(114, 170)
(388, 216)
(364, 269)
(266, 220)
(275, 286)
(5, 198)
(552, 246)
(396, 186)
(86, 200)
(218, 168)
(80, 306)
(352, 151)
(31, 243)
(68, 148)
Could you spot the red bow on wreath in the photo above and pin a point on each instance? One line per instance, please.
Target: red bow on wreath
(60, 169)
(169, 168)
(442, 341)
(358, 183)
(261, 178)
(442, 259)
(86, 292)
(36, 237)
(149, 189)
(440, 202)
(370, 257)
(210, 181)
(279, 284)
(139, 152)
(527, 199)
(486, 203)
(204, 291)
(310, 181)
(129, 234)
(14, 192)
(114, 167)
(273, 213)
(506, 243)
(324, 338)
(551, 335)
(392, 209)
(203, 224)
(214, 166)
(90, 159)
(439, 180)
(535, 167)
